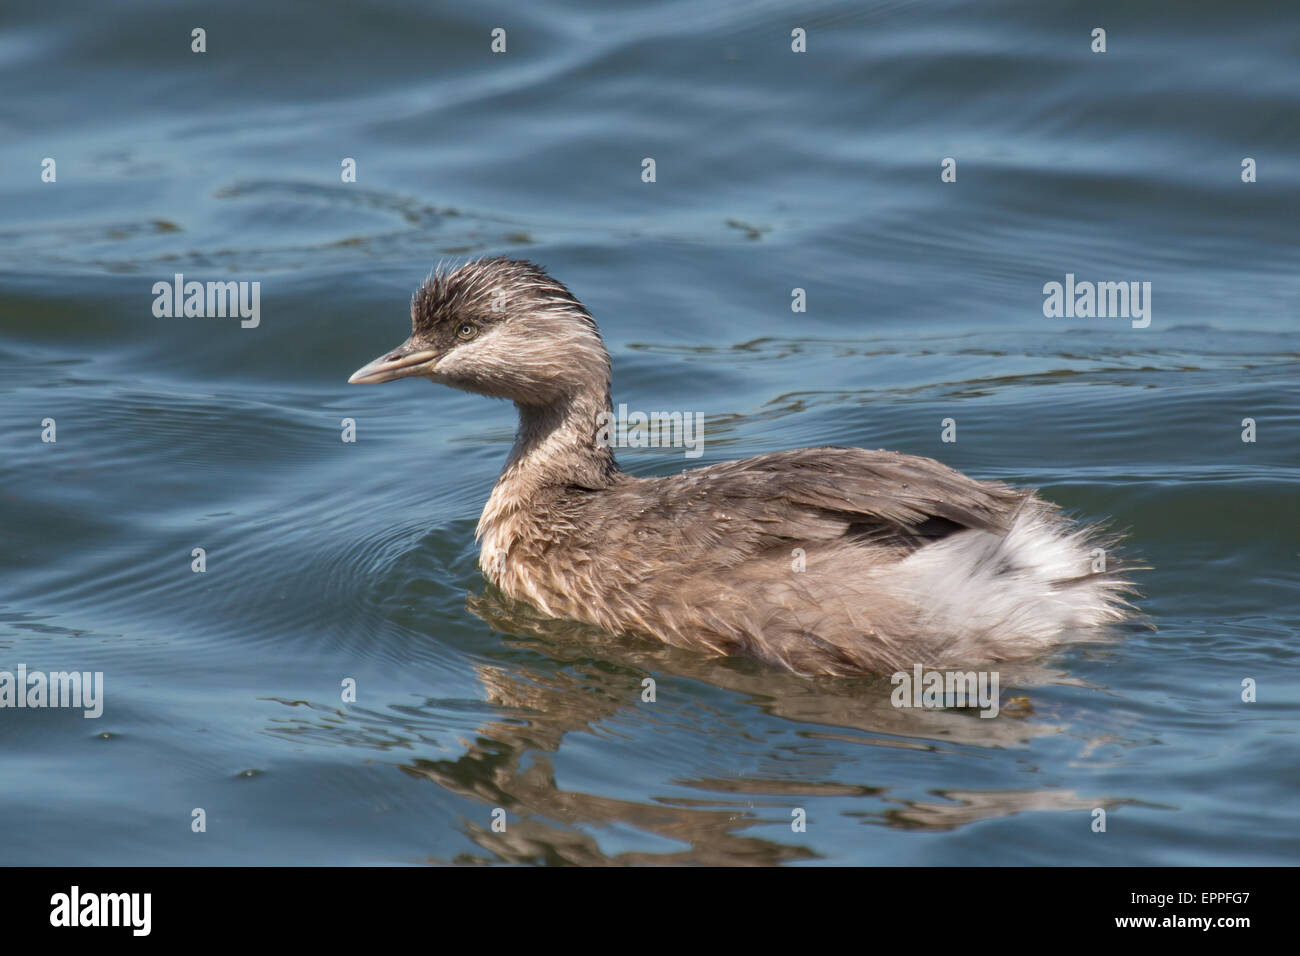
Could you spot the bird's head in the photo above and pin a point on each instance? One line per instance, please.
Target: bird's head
(499, 327)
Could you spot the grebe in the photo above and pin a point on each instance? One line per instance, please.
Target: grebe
(829, 560)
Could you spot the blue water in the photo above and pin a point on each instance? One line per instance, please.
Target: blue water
(775, 170)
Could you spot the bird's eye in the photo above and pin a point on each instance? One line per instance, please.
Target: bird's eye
(467, 331)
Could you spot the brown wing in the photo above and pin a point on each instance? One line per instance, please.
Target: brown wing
(723, 514)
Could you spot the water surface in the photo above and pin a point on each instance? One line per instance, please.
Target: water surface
(329, 560)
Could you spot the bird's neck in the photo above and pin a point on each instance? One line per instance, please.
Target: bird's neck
(556, 446)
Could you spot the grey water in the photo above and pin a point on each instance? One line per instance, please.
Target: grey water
(333, 564)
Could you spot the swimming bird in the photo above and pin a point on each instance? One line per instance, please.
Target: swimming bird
(820, 561)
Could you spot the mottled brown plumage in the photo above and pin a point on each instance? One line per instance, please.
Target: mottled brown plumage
(820, 560)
